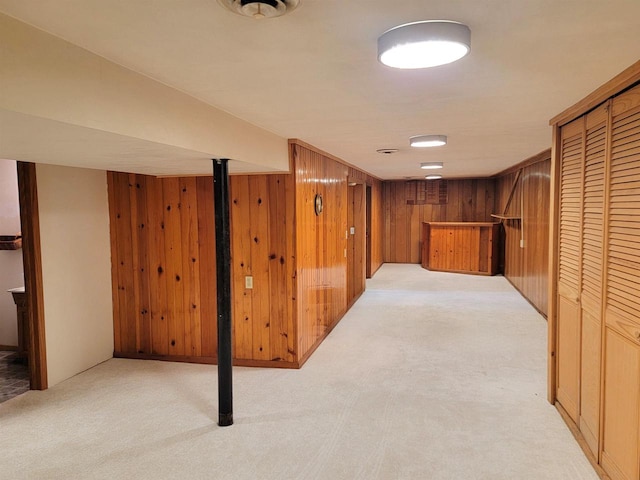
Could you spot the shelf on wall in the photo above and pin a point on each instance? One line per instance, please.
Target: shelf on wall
(506, 217)
(10, 242)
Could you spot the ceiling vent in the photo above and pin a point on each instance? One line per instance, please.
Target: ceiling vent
(260, 8)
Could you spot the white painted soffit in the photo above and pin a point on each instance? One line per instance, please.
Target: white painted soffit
(61, 104)
(60, 143)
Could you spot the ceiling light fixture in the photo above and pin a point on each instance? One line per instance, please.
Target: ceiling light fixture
(428, 140)
(433, 177)
(424, 44)
(260, 8)
(431, 165)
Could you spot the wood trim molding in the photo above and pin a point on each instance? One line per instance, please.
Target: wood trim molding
(554, 213)
(308, 353)
(237, 362)
(540, 157)
(31, 255)
(617, 84)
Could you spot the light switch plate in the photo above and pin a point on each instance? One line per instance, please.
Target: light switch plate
(248, 282)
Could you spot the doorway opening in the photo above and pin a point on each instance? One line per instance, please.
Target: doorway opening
(368, 231)
(14, 369)
(22, 340)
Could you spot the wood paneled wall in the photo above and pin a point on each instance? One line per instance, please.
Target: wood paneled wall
(163, 243)
(321, 244)
(526, 264)
(470, 200)
(376, 228)
(163, 261)
(357, 241)
(262, 247)
(374, 212)
(163, 266)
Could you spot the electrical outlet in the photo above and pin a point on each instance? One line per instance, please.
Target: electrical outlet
(248, 282)
(353, 230)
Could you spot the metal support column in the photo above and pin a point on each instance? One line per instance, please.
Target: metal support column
(223, 278)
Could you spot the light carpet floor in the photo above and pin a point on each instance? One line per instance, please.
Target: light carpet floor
(429, 376)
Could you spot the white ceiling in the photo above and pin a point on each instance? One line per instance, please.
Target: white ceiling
(314, 74)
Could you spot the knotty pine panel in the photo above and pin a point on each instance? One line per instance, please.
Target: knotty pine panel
(526, 268)
(162, 239)
(262, 246)
(321, 244)
(163, 261)
(470, 200)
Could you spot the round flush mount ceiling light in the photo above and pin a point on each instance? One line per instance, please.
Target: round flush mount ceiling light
(421, 141)
(431, 165)
(260, 8)
(424, 44)
(433, 177)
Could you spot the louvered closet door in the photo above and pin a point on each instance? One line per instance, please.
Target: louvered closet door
(569, 256)
(591, 284)
(622, 313)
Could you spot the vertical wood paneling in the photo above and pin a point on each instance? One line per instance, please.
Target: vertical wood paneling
(173, 271)
(163, 260)
(241, 267)
(190, 267)
(206, 264)
(470, 200)
(160, 236)
(376, 232)
(356, 245)
(260, 229)
(144, 293)
(467, 247)
(320, 245)
(281, 267)
(262, 246)
(526, 266)
(157, 266)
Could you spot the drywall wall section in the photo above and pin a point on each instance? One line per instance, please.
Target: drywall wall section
(11, 273)
(76, 269)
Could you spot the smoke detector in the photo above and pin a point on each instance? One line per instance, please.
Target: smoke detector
(260, 8)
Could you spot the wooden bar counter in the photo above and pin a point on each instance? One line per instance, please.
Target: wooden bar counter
(461, 247)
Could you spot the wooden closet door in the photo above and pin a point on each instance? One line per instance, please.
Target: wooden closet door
(569, 272)
(621, 396)
(591, 282)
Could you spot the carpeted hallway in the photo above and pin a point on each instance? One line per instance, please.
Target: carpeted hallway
(429, 376)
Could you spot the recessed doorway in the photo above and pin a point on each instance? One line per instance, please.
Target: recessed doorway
(14, 370)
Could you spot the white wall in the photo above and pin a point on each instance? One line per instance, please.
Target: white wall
(11, 273)
(76, 268)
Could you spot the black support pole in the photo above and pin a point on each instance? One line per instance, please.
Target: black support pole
(223, 279)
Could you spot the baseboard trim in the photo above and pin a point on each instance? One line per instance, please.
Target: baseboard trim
(237, 362)
(8, 348)
(577, 434)
(525, 297)
(320, 339)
